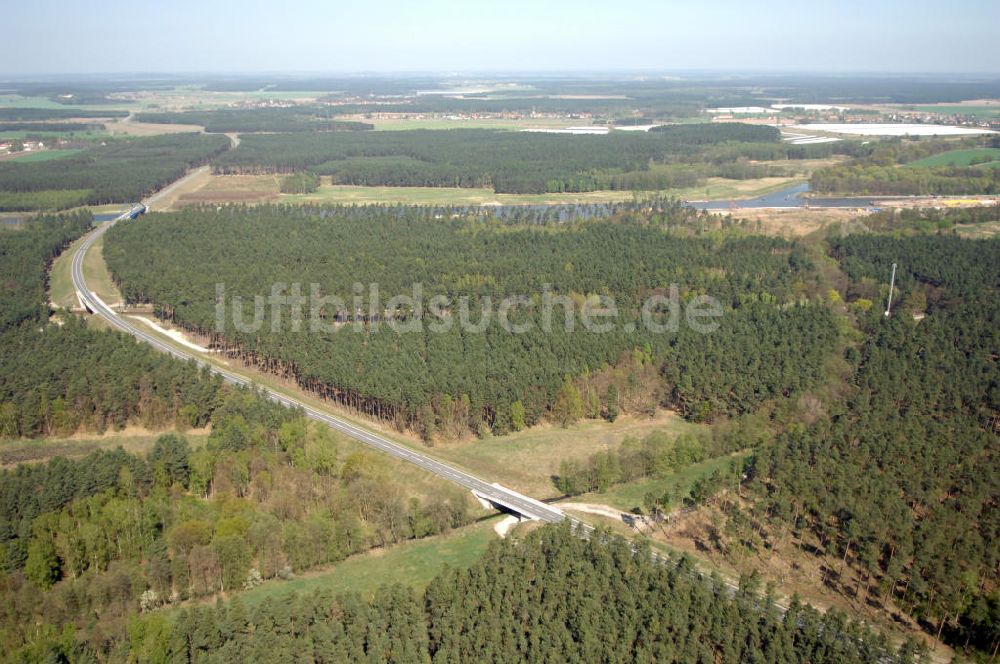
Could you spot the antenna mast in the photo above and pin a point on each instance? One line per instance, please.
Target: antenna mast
(892, 282)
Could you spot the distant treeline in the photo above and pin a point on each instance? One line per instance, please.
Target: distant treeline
(31, 114)
(62, 127)
(883, 172)
(293, 119)
(116, 172)
(895, 181)
(511, 162)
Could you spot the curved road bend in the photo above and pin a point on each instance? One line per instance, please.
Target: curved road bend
(492, 492)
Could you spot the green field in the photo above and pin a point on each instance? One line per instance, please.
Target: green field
(960, 158)
(414, 564)
(61, 290)
(526, 461)
(629, 496)
(44, 155)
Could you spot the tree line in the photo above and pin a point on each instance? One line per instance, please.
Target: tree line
(115, 172)
(291, 119)
(887, 171)
(36, 114)
(63, 127)
(510, 162)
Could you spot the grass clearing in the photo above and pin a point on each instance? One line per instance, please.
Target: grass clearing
(629, 496)
(361, 195)
(44, 155)
(795, 222)
(97, 276)
(413, 564)
(983, 231)
(62, 292)
(135, 440)
(959, 158)
(255, 189)
(208, 188)
(526, 461)
(131, 128)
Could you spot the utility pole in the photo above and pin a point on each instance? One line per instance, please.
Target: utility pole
(892, 282)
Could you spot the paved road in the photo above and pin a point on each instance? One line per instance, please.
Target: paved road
(492, 492)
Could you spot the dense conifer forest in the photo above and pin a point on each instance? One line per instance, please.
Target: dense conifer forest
(549, 596)
(902, 479)
(58, 379)
(772, 337)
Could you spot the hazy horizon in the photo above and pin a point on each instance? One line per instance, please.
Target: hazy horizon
(108, 37)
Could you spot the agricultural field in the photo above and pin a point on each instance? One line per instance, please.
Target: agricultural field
(970, 157)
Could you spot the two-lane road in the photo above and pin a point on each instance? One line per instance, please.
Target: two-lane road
(494, 493)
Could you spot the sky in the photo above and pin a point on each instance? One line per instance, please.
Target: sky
(105, 36)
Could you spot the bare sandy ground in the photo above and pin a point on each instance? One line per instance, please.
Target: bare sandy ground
(176, 335)
(637, 522)
(504, 525)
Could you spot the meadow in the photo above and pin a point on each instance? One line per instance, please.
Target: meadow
(979, 156)
(44, 155)
(414, 564)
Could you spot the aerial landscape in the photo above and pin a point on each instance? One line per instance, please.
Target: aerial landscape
(522, 333)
